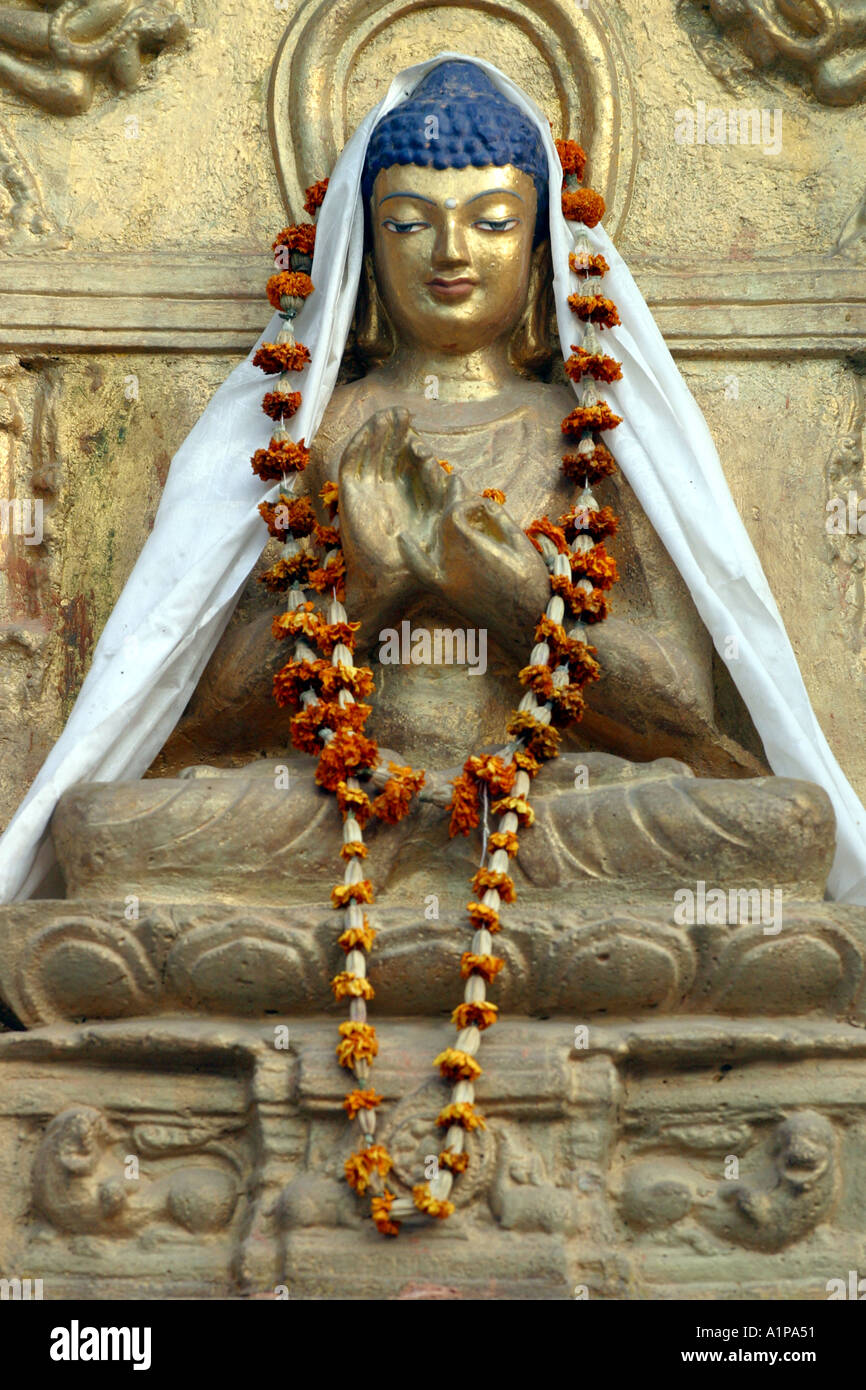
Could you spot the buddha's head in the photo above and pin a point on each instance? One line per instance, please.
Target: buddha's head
(455, 190)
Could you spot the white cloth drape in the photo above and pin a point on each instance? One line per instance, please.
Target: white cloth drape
(208, 535)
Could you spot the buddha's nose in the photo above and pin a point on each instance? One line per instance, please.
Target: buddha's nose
(449, 248)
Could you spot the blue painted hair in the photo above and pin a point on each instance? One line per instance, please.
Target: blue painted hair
(476, 125)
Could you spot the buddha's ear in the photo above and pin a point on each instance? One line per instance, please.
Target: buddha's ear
(530, 351)
(372, 330)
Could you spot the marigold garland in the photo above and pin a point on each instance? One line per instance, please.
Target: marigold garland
(289, 284)
(298, 237)
(584, 205)
(594, 308)
(587, 263)
(326, 688)
(572, 157)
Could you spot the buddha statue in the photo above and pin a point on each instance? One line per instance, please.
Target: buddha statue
(664, 780)
(198, 895)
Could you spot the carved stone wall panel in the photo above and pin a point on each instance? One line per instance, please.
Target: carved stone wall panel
(819, 44)
(89, 440)
(176, 1158)
(791, 434)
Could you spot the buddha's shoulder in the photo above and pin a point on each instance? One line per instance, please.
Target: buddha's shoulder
(350, 407)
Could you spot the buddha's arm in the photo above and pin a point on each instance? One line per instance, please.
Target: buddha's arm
(655, 696)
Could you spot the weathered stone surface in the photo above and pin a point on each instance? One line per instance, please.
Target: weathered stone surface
(70, 959)
(609, 1168)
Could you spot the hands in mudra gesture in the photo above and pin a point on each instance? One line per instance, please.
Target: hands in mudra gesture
(408, 528)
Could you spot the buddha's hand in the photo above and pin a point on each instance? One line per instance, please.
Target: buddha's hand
(477, 558)
(384, 493)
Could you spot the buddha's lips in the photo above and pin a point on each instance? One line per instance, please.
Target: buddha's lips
(452, 289)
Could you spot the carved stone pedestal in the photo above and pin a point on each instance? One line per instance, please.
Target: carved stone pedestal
(664, 1158)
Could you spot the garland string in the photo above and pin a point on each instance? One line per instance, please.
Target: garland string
(321, 682)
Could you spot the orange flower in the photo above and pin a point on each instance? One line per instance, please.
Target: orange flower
(495, 494)
(357, 679)
(325, 714)
(315, 196)
(541, 741)
(281, 456)
(281, 405)
(294, 677)
(393, 802)
(332, 633)
(289, 514)
(354, 849)
(430, 1205)
(283, 357)
(465, 801)
(591, 467)
(355, 802)
(488, 967)
(331, 576)
(594, 308)
(521, 808)
(579, 655)
(360, 1167)
(448, 467)
(361, 1100)
(599, 522)
(304, 728)
(300, 620)
(330, 495)
(491, 769)
(380, 1208)
(591, 417)
(583, 205)
(483, 916)
(354, 937)
(456, 1065)
(292, 284)
(287, 571)
(481, 1015)
(460, 1113)
(553, 633)
(358, 1044)
(591, 607)
(568, 702)
(328, 537)
(595, 564)
(300, 236)
(455, 1163)
(490, 878)
(504, 839)
(348, 983)
(582, 363)
(587, 263)
(538, 678)
(572, 157)
(526, 762)
(543, 526)
(464, 805)
(360, 892)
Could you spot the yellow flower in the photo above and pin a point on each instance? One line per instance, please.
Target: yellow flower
(457, 1065)
(355, 985)
(432, 1206)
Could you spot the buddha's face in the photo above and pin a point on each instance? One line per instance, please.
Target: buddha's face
(452, 252)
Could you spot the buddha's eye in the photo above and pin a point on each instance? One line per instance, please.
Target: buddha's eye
(501, 224)
(391, 225)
